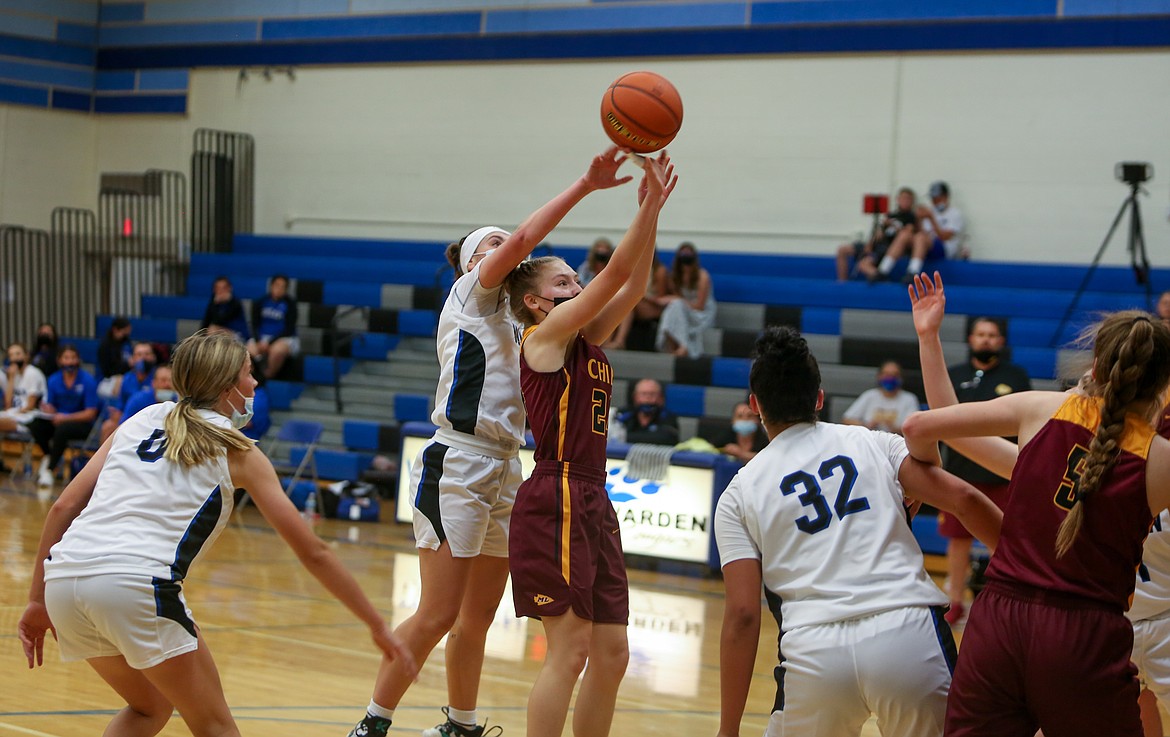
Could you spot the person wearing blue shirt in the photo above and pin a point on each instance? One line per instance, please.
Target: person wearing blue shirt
(140, 376)
(160, 390)
(274, 323)
(68, 412)
(225, 312)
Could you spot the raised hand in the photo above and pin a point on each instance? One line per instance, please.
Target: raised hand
(671, 179)
(602, 173)
(928, 303)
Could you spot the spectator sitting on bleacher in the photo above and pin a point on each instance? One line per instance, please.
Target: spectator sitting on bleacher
(643, 320)
(161, 389)
(141, 376)
(274, 323)
(897, 234)
(225, 312)
(113, 358)
(887, 405)
(598, 256)
(690, 309)
(24, 386)
(68, 412)
(648, 420)
(1164, 307)
(744, 437)
(44, 354)
(940, 235)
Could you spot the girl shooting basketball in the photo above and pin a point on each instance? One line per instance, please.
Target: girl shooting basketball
(465, 478)
(566, 552)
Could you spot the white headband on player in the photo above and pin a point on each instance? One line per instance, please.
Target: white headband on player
(472, 241)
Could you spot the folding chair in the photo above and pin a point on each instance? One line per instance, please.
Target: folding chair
(24, 471)
(91, 444)
(303, 434)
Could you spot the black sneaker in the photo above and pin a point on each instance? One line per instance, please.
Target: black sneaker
(454, 729)
(371, 726)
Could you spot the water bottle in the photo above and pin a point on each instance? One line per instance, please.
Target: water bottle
(617, 430)
(311, 505)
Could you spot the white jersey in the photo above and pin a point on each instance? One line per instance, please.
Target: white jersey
(948, 219)
(147, 516)
(477, 402)
(1151, 597)
(822, 509)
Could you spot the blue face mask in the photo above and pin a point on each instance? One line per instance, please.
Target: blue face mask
(69, 370)
(240, 419)
(744, 427)
(890, 383)
(647, 409)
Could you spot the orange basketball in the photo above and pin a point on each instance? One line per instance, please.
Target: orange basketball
(641, 111)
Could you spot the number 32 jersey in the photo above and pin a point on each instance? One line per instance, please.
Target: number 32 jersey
(822, 510)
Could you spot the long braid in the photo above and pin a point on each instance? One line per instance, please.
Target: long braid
(1130, 358)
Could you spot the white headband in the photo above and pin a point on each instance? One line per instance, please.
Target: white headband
(472, 241)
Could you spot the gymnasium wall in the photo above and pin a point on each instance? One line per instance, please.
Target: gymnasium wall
(391, 126)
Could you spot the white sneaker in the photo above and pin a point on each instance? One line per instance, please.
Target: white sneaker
(45, 477)
(44, 467)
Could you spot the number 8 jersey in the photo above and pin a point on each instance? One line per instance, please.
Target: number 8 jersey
(822, 510)
(147, 516)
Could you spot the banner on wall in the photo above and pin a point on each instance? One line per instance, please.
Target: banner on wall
(668, 518)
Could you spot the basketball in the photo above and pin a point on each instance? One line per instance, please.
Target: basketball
(641, 111)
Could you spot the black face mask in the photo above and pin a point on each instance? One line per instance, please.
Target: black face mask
(985, 356)
(602, 258)
(686, 259)
(555, 300)
(69, 369)
(45, 340)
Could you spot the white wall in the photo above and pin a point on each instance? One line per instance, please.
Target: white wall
(774, 154)
(47, 160)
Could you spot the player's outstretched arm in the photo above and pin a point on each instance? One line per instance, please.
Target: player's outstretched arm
(611, 315)
(927, 483)
(601, 174)
(544, 348)
(928, 304)
(35, 620)
(738, 640)
(253, 471)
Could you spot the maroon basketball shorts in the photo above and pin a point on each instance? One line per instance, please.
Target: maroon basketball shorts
(1033, 659)
(565, 550)
(949, 525)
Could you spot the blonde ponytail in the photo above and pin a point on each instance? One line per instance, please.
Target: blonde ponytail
(203, 367)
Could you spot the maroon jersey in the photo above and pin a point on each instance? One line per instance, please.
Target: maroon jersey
(568, 409)
(1106, 553)
(1164, 423)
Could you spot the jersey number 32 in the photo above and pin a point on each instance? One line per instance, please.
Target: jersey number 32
(811, 494)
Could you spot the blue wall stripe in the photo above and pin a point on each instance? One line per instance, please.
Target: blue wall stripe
(30, 48)
(114, 81)
(24, 95)
(658, 16)
(26, 25)
(77, 33)
(81, 11)
(839, 38)
(398, 6)
(179, 33)
(122, 12)
(19, 71)
(140, 104)
(886, 10)
(187, 10)
(1116, 7)
(63, 100)
(372, 26)
(166, 79)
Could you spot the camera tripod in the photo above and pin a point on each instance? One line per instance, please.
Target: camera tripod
(1137, 254)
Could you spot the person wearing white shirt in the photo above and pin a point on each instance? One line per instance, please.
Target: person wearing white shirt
(24, 386)
(819, 519)
(886, 406)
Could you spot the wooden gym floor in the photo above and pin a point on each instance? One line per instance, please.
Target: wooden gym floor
(294, 661)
